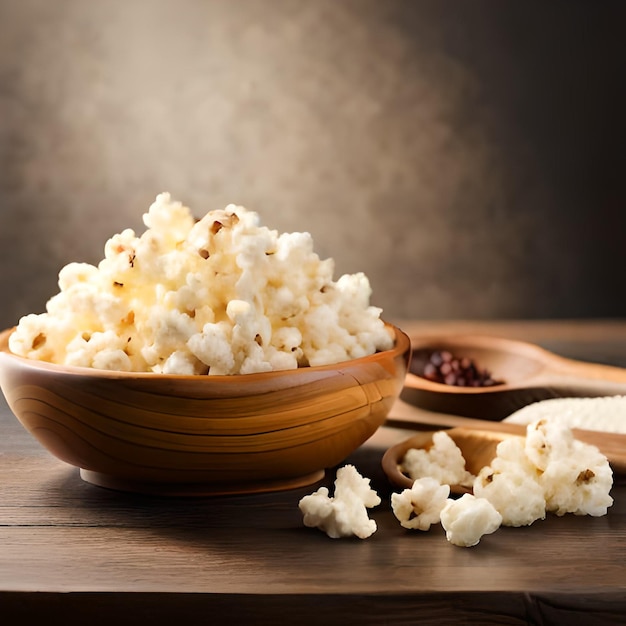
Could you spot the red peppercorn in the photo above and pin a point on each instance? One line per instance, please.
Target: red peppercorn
(443, 367)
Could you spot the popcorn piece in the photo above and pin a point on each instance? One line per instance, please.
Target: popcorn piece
(103, 350)
(223, 295)
(511, 484)
(579, 485)
(576, 477)
(467, 519)
(547, 441)
(443, 461)
(213, 346)
(420, 506)
(345, 513)
(183, 363)
(549, 471)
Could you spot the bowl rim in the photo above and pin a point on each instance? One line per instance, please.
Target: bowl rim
(391, 460)
(402, 345)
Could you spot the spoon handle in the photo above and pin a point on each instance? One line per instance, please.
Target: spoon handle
(578, 378)
(404, 415)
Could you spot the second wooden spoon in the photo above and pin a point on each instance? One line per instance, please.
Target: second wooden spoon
(529, 374)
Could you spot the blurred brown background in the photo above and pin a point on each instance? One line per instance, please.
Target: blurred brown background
(468, 156)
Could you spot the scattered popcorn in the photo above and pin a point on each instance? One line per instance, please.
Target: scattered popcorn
(420, 506)
(222, 295)
(575, 477)
(546, 471)
(443, 461)
(344, 514)
(546, 442)
(467, 519)
(579, 485)
(511, 484)
(549, 470)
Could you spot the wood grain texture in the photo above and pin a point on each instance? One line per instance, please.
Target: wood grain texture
(73, 548)
(204, 434)
(529, 373)
(478, 448)
(409, 417)
(91, 555)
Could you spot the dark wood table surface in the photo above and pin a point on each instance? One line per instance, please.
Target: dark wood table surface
(78, 554)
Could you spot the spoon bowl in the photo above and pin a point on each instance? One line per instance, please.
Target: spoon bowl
(528, 373)
(477, 446)
(478, 442)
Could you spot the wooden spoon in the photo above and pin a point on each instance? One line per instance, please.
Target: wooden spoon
(406, 417)
(479, 449)
(529, 374)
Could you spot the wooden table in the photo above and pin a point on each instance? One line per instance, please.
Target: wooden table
(80, 554)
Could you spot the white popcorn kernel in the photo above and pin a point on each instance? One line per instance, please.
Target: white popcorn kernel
(76, 273)
(213, 347)
(255, 361)
(546, 441)
(169, 219)
(420, 506)
(511, 484)
(238, 310)
(443, 461)
(356, 288)
(163, 333)
(467, 519)
(119, 260)
(182, 363)
(29, 336)
(116, 360)
(287, 339)
(575, 476)
(100, 350)
(282, 360)
(345, 513)
(284, 304)
(320, 511)
(349, 482)
(332, 353)
(579, 484)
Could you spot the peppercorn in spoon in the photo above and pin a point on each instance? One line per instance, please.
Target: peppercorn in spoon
(490, 377)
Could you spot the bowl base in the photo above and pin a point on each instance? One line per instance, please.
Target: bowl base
(197, 489)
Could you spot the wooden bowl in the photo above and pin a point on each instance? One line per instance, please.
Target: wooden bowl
(204, 435)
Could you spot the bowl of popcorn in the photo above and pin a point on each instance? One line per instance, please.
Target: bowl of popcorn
(204, 356)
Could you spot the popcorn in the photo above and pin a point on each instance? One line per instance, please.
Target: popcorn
(575, 477)
(222, 295)
(443, 461)
(546, 471)
(344, 514)
(547, 441)
(420, 506)
(511, 484)
(579, 485)
(467, 519)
